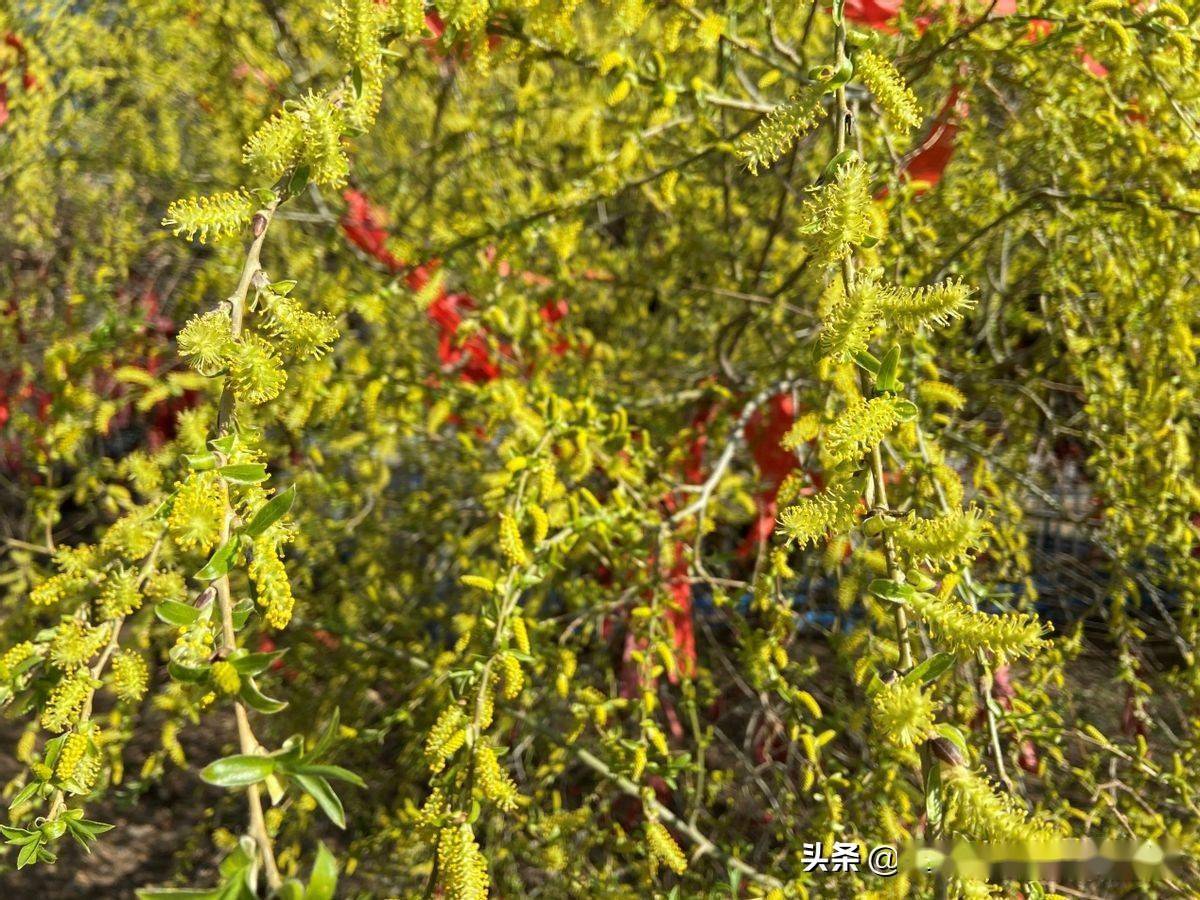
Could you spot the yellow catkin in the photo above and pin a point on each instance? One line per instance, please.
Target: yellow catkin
(511, 544)
(520, 634)
(495, 783)
(71, 755)
(888, 86)
(129, 676)
(541, 524)
(462, 868)
(903, 713)
(514, 676)
(663, 847)
(446, 736)
(225, 677)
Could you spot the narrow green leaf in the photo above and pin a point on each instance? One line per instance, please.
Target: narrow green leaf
(319, 789)
(28, 853)
(25, 793)
(270, 512)
(933, 796)
(322, 884)
(836, 163)
(181, 615)
(178, 894)
(298, 181)
(238, 771)
(220, 562)
(885, 379)
(930, 669)
(183, 673)
(201, 462)
(893, 592)
(53, 748)
(337, 773)
(256, 699)
(325, 741)
(867, 362)
(255, 663)
(954, 736)
(241, 613)
(244, 473)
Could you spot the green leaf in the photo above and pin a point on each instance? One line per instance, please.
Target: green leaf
(88, 827)
(291, 889)
(867, 362)
(290, 754)
(255, 663)
(930, 669)
(256, 699)
(892, 591)
(238, 771)
(837, 162)
(239, 858)
(325, 741)
(885, 379)
(244, 473)
(337, 773)
(186, 674)
(178, 894)
(85, 831)
(25, 793)
(933, 796)
(28, 853)
(53, 748)
(224, 444)
(241, 612)
(318, 788)
(322, 884)
(270, 512)
(181, 615)
(221, 561)
(17, 835)
(201, 462)
(298, 181)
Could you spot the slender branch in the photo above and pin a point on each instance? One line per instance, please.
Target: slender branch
(251, 273)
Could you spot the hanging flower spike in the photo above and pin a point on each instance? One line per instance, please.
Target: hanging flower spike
(831, 512)
(850, 320)
(760, 148)
(862, 426)
(838, 213)
(888, 87)
(215, 216)
(912, 308)
(946, 539)
(963, 630)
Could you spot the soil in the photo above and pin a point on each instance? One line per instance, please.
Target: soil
(155, 837)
